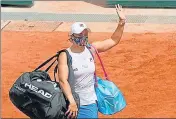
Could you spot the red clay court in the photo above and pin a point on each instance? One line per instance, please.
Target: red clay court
(142, 65)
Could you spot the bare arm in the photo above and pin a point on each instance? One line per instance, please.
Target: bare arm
(63, 77)
(63, 81)
(107, 44)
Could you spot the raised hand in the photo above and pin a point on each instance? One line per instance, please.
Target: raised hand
(120, 12)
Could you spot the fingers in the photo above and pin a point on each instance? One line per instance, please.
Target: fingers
(70, 114)
(74, 115)
(72, 111)
(67, 111)
(118, 7)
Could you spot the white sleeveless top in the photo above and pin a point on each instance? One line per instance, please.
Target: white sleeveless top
(84, 68)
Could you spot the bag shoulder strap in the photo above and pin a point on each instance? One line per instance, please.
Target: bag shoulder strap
(101, 62)
(91, 47)
(96, 51)
(71, 72)
(69, 62)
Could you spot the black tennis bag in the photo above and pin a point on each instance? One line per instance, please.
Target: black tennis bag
(39, 97)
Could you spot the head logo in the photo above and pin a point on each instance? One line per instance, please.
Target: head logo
(37, 90)
(81, 25)
(91, 59)
(76, 69)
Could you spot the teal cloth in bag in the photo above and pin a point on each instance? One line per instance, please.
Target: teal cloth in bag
(110, 99)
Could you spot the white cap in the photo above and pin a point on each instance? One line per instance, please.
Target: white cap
(78, 27)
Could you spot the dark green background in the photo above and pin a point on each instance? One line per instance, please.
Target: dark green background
(143, 3)
(17, 3)
(110, 3)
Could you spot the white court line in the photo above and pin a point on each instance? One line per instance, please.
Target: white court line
(4, 23)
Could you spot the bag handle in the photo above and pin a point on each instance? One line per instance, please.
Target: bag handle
(105, 73)
(51, 65)
(47, 61)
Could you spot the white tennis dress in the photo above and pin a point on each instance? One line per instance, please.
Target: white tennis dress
(84, 68)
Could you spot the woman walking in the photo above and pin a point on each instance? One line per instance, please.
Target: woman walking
(84, 67)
